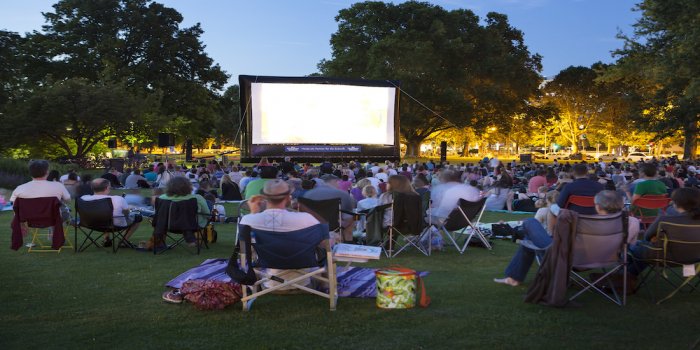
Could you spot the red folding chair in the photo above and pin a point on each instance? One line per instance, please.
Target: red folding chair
(581, 201)
(650, 203)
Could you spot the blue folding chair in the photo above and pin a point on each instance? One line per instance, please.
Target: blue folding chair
(293, 253)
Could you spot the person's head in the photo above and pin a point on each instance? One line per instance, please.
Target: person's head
(551, 197)
(687, 199)
(648, 170)
(580, 171)
(100, 186)
(541, 172)
(161, 168)
(344, 177)
(38, 169)
(448, 175)
(268, 172)
(277, 193)
(420, 180)
(505, 181)
(72, 176)
(399, 183)
(362, 183)
(204, 185)
(226, 179)
(330, 180)
(608, 202)
(54, 175)
(178, 186)
(87, 178)
(369, 192)
(137, 172)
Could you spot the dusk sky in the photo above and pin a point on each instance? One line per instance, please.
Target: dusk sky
(288, 38)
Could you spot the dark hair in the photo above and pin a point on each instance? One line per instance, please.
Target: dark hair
(648, 169)
(38, 168)
(178, 186)
(344, 177)
(505, 181)
(137, 172)
(580, 170)
(72, 176)
(99, 185)
(688, 199)
(86, 178)
(54, 175)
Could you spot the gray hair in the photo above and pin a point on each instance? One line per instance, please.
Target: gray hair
(610, 201)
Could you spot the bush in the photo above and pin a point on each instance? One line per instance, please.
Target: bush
(14, 172)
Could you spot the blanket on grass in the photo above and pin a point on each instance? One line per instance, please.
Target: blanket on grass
(353, 282)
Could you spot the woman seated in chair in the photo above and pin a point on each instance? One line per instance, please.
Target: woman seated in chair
(395, 184)
(606, 202)
(686, 202)
(180, 189)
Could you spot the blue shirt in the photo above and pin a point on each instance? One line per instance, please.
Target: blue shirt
(580, 187)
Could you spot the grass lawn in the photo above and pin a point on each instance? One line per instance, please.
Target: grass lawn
(97, 299)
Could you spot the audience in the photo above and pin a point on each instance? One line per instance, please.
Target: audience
(123, 218)
(446, 195)
(329, 190)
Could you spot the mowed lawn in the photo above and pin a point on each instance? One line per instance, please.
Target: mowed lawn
(97, 299)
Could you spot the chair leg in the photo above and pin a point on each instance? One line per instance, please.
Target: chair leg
(685, 282)
(332, 283)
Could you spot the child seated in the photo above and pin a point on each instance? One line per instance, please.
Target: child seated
(370, 201)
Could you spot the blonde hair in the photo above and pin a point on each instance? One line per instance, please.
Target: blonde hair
(362, 183)
(552, 196)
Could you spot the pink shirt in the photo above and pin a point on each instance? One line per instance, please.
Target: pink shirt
(344, 186)
(535, 183)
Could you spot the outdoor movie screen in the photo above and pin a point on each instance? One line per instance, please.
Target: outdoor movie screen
(310, 113)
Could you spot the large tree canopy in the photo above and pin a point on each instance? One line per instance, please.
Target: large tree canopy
(662, 59)
(137, 45)
(460, 73)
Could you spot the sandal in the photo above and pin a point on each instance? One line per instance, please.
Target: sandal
(173, 296)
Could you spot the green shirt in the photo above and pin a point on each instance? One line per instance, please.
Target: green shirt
(202, 207)
(254, 187)
(645, 188)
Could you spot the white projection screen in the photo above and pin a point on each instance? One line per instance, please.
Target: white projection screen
(307, 113)
(309, 118)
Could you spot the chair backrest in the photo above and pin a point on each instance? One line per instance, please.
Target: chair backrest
(176, 216)
(599, 240)
(286, 250)
(95, 215)
(407, 212)
(581, 201)
(648, 207)
(681, 242)
(327, 210)
(37, 212)
(472, 210)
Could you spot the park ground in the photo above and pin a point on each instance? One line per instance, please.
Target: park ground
(99, 299)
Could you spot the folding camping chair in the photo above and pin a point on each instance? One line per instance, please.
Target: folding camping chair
(40, 215)
(680, 247)
(294, 253)
(600, 242)
(95, 218)
(580, 201)
(647, 204)
(177, 217)
(325, 211)
(407, 227)
(463, 221)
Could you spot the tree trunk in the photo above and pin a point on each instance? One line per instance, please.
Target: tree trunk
(691, 142)
(413, 147)
(465, 149)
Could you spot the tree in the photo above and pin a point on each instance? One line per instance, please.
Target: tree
(661, 60)
(138, 45)
(74, 115)
(454, 72)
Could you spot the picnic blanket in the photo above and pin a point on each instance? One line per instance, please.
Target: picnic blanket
(353, 282)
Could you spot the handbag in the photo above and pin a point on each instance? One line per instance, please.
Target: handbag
(211, 294)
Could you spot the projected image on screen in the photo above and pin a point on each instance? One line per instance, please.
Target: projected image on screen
(322, 114)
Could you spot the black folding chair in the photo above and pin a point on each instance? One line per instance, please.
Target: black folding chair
(181, 218)
(95, 218)
(462, 225)
(679, 247)
(326, 211)
(407, 227)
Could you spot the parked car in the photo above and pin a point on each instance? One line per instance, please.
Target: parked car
(637, 156)
(608, 157)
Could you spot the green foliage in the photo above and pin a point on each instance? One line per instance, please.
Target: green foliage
(662, 60)
(74, 114)
(470, 74)
(14, 172)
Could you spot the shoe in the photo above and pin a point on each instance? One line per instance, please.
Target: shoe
(509, 281)
(107, 243)
(173, 297)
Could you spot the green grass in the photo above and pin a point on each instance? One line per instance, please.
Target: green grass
(97, 299)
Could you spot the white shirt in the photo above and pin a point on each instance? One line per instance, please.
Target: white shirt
(382, 176)
(118, 203)
(279, 220)
(446, 197)
(64, 177)
(375, 182)
(41, 188)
